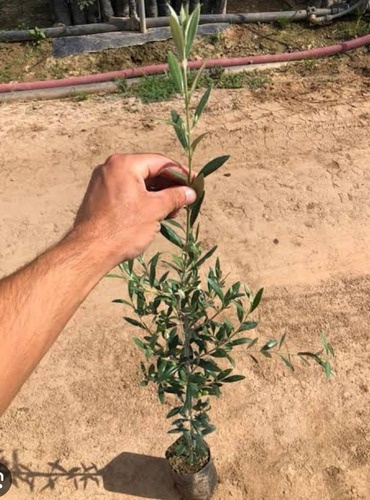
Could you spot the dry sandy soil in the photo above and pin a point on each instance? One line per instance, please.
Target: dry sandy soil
(299, 175)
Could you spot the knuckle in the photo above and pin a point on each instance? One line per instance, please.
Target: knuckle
(114, 159)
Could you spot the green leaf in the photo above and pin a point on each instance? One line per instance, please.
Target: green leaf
(197, 77)
(220, 353)
(197, 141)
(254, 341)
(175, 72)
(111, 275)
(239, 310)
(241, 341)
(230, 359)
(122, 301)
(254, 359)
(214, 286)
(139, 344)
(282, 340)
(209, 365)
(171, 236)
(201, 105)
(213, 165)
(191, 29)
(161, 396)
(247, 325)
(328, 348)
(256, 300)
(169, 122)
(133, 322)
(176, 32)
(205, 257)
(327, 369)
(208, 430)
(198, 185)
(184, 13)
(286, 362)
(233, 378)
(266, 353)
(152, 268)
(195, 209)
(179, 129)
(269, 345)
(173, 222)
(178, 175)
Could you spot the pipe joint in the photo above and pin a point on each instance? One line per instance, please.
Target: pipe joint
(339, 7)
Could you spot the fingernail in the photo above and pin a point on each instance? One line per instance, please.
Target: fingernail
(190, 195)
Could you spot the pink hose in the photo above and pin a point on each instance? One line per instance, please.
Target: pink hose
(161, 68)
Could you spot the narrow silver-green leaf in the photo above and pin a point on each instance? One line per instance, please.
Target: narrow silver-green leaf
(175, 72)
(178, 175)
(213, 165)
(133, 322)
(286, 362)
(176, 32)
(171, 236)
(233, 378)
(179, 129)
(197, 141)
(198, 185)
(191, 29)
(205, 257)
(256, 300)
(152, 268)
(195, 209)
(201, 105)
(197, 77)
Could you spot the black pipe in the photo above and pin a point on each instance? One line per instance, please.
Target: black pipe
(121, 8)
(125, 25)
(61, 12)
(106, 10)
(151, 9)
(92, 13)
(163, 10)
(78, 14)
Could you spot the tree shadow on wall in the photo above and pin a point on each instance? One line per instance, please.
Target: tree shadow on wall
(137, 475)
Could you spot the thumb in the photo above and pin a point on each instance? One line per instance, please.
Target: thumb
(174, 198)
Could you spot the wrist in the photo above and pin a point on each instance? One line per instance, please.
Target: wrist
(90, 251)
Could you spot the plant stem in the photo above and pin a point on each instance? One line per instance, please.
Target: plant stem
(184, 320)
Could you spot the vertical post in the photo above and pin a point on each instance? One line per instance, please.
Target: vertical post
(141, 5)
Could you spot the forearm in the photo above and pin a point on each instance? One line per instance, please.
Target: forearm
(37, 302)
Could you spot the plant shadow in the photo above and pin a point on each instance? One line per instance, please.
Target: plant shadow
(129, 473)
(140, 475)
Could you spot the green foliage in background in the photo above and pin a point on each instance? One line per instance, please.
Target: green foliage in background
(190, 319)
(38, 35)
(83, 4)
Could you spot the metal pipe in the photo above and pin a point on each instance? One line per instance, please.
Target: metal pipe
(141, 6)
(313, 18)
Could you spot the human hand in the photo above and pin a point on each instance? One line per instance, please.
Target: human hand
(125, 202)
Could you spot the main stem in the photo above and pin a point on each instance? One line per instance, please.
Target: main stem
(188, 232)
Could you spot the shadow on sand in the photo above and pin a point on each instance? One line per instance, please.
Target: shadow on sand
(129, 473)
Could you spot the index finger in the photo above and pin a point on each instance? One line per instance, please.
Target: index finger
(149, 165)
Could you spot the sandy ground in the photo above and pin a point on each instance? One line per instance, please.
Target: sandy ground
(299, 175)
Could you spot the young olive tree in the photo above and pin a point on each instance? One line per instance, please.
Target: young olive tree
(191, 323)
